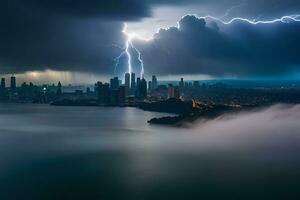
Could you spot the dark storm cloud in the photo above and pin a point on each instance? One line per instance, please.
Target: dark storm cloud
(73, 35)
(78, 35)
(37, 39)
(111, 9)
(206, 47)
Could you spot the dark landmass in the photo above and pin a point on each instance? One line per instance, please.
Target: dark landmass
(180, 120)
(175, 120)
(189, 111)
(175, 106)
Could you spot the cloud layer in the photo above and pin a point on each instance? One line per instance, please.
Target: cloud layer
(85, 37)
(210, 47)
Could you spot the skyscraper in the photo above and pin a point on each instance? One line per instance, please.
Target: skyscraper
(114, 97)
(127, 84)
(181, 84)
(114, 83)
(103, 92)
(142, 89)
(171, 91)
(58, 91)
(137, 91)
(154, 82)
(150, 85)
(13, 84)
(2, 86)
(176, 92)
(138, 82)
(122, 95)
(2, 89)
(127, 80)
(133, 83)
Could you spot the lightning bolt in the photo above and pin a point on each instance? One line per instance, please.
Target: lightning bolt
(140, 60)
(284, 19)
(117, 61)
(130, 36)
(126, 51)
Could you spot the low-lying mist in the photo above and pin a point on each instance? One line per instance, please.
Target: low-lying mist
(275, 127)
(88, 150)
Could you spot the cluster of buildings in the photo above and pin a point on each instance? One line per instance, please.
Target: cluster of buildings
(28, 92)
(5, 92)
(130, 91)
(133, 90)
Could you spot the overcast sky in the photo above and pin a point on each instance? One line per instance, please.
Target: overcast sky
(85, 37)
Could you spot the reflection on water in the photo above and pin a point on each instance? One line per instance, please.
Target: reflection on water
(112, 153)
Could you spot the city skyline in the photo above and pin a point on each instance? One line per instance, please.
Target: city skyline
(205, 40)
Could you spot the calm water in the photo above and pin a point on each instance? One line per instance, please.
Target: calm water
(112, 153)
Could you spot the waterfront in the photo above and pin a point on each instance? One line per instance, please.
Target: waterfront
(52, 152)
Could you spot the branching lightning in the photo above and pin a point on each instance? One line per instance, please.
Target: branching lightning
(117, 60)
(130, 36)
(140, 60)
(284, 19)
(128, 47)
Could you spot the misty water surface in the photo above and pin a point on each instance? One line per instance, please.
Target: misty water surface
(112, 153)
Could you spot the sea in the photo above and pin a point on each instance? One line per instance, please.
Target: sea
(49, 152)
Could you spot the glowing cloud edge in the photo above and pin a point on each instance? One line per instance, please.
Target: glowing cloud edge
(132, 35)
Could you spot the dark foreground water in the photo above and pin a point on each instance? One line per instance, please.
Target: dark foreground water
(112, 153)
